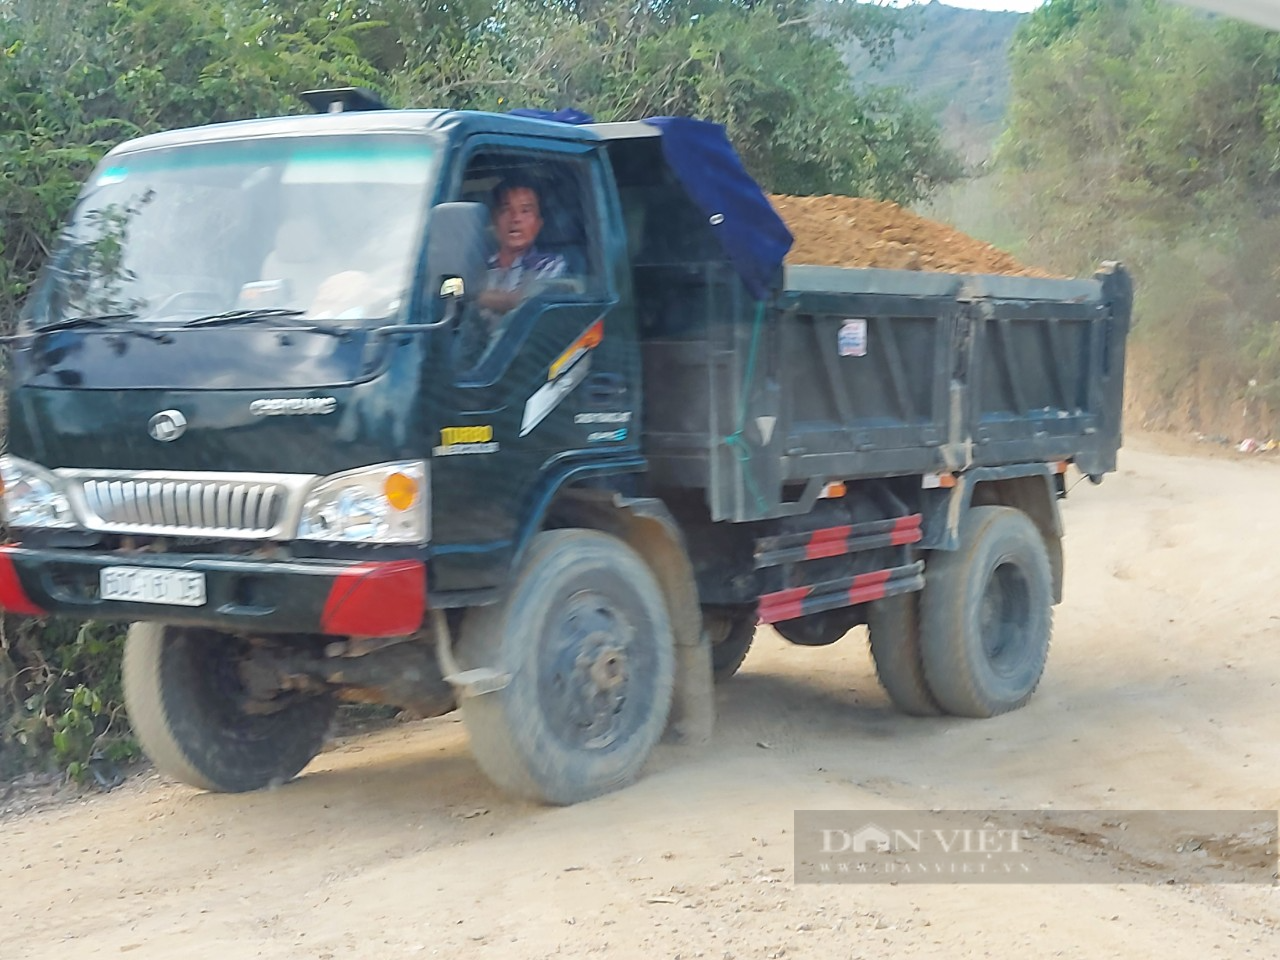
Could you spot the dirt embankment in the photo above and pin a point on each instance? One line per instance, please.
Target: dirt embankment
(854, 232)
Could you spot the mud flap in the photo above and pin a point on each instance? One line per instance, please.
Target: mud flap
(693, 708)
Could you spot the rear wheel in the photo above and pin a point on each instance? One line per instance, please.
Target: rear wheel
(585, 636)
(894, 627)
(197, 722)
(731, 633)
(986, 615)
(819, 629)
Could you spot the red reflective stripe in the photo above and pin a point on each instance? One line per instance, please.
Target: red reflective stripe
(868, 586)
(906, 530)
(376, 600)
(12, 597)
(830, 542)
(783, 605)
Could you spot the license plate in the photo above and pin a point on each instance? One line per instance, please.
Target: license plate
(179, 588)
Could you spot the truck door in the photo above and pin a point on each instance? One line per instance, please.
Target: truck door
(536, 371)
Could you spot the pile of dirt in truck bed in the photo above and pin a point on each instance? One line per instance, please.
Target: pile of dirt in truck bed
(853, 232)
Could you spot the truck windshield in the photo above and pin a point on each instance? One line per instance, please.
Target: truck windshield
(327, 226)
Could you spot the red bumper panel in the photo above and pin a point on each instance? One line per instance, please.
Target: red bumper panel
(13, 598)
(377, 600)
(837, 541)
(820, 597)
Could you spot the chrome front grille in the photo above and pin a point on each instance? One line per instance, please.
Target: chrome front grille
(249, 506)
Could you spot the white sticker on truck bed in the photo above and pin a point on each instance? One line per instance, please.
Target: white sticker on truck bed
(853, 338)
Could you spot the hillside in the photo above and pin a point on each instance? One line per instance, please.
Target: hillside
(956, 64)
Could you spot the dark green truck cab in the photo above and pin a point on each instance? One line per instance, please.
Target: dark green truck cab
(241, 420)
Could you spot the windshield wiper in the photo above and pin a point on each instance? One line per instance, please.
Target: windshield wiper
(258, 316)
(241, 316)
(112, 322)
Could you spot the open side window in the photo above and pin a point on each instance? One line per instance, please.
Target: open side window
(544, 245)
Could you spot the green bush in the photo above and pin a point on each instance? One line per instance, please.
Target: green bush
(62, 697)
(1145, 132)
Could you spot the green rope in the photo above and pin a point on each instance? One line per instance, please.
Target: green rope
(736, 441)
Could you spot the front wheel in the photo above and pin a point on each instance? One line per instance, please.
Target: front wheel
(196, 720)
(986, 615)
(585, 636)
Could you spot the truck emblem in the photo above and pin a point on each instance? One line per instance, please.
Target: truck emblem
(167, 425)
(461, 440)
(293, 406)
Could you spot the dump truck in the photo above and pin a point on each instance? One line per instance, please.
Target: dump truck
(242, 421)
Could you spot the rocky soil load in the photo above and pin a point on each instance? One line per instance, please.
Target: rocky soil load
(835, 231)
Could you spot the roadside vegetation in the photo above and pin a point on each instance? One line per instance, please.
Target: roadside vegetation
(1146, 131)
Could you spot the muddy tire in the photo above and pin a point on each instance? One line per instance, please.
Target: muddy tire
(731, 634)
(585, 636)
(893, 625)
(986, 615)
(185, 703)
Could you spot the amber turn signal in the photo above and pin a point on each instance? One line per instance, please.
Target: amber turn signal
(401, 491)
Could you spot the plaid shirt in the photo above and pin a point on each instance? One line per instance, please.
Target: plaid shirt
(476, 336)
(533, 266)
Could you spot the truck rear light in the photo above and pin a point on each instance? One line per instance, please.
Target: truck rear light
(376, 600)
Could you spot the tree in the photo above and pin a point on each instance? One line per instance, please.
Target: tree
(77, 78)
(771, 73)
(1144, 131)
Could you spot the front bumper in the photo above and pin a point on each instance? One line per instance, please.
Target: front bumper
(335, 597)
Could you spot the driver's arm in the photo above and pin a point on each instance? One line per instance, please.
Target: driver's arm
(533, 282)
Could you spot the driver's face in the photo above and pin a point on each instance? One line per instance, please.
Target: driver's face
(517, 222)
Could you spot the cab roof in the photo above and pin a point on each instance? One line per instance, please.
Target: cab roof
(698, 153)
(444, 122)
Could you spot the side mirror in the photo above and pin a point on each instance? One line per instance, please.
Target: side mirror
(456, 249)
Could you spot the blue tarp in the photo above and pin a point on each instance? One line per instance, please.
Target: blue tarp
(741, 216)
(567, 115)
(742, 219)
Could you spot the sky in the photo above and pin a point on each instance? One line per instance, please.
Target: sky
(1263, 13)
(1021, 6)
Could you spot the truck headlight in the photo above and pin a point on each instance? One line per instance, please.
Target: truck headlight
(386, 503)
(33, 496)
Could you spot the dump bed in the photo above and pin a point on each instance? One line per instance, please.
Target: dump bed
(852, 373)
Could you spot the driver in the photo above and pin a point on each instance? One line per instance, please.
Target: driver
(516, 271)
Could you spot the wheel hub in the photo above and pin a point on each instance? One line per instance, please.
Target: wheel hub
(587, 686)
(609, 670)
(1004, 617)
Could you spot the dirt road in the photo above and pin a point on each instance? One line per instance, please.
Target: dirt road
(1163, 691)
